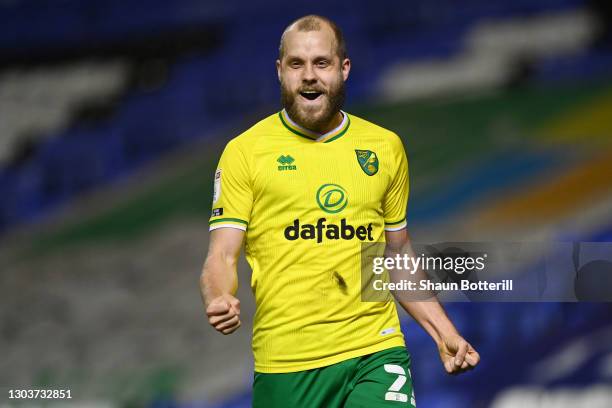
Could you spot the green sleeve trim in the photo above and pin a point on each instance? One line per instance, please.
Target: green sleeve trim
(229, 219)
(395, 222)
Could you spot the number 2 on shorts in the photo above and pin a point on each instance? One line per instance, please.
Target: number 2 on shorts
(393, 394)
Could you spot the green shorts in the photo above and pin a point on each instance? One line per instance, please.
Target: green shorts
(375, 380)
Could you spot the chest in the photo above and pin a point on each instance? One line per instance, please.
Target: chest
(331, 177)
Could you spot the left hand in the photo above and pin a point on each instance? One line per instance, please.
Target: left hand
(457, 355)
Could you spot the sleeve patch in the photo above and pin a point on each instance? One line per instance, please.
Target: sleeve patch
(217, 187)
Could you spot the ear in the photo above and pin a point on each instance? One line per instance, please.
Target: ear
(346, 68)
(278, 69)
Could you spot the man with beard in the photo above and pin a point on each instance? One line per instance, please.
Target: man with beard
(306, 187)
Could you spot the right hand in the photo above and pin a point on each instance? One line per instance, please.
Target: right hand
(224, 313)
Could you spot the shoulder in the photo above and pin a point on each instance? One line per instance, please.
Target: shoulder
(382, 134)
(250, 137)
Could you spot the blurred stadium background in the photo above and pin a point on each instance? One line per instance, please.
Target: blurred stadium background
(112, 118)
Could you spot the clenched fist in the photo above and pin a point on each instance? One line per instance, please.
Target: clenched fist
(224, 313)
(457, 355)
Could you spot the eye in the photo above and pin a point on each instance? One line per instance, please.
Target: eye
(295, 64)
(323, 64)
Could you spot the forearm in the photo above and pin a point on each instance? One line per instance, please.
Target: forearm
(431, 316)
(218, 277)
(424, 307)
(456, 354)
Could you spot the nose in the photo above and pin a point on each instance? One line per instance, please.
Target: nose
(308, 74)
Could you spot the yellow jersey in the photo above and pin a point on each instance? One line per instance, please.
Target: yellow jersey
(307, 202)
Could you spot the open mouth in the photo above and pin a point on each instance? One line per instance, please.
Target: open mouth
(311, 95)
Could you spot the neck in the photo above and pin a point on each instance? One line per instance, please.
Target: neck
(333, 123)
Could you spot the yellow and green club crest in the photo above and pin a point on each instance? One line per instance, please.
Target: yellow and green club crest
(368, 161)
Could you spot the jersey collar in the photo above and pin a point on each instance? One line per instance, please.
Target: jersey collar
(309, 134)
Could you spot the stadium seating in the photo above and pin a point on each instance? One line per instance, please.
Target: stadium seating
(208, 91)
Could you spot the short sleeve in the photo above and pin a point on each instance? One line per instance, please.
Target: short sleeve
(396, 197)
(232, 192)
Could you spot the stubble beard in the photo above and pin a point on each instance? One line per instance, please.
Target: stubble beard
(316, 121)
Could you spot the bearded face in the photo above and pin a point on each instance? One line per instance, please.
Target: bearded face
(313, 105)
(312, 78)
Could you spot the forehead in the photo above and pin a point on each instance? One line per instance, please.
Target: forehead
(310, 43)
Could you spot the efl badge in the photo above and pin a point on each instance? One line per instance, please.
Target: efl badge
(368, 161)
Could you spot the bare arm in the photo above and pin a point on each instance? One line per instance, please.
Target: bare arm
(457, 355)
(219, 281)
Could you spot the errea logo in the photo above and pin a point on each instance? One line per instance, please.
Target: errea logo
(286, 162)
